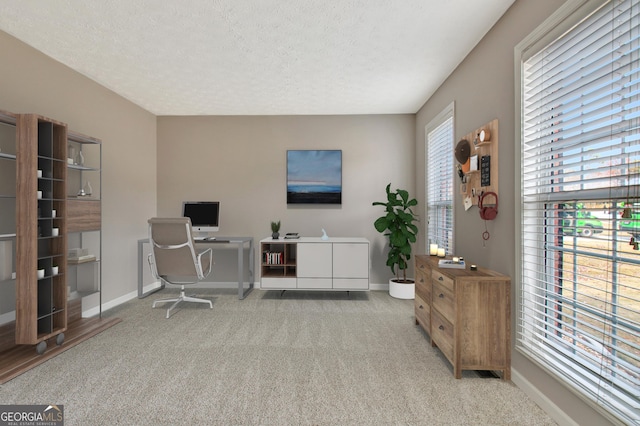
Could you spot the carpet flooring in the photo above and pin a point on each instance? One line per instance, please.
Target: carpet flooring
(301, 358)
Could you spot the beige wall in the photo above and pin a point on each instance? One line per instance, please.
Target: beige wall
(33, 83)
(241, 162)
(483, 89)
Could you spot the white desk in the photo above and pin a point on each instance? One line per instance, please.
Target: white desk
(239, 241)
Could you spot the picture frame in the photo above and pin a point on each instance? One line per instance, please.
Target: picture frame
(314, 176)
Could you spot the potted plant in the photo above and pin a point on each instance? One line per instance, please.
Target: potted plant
(398, 224)
(275, 229)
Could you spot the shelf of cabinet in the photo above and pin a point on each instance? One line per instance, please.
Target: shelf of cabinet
(7, 156)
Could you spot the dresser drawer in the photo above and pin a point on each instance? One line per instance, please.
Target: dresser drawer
(423, 286)
(442, 300)
(422, 263)
(423, 313)
(442, 334)
(437, 276)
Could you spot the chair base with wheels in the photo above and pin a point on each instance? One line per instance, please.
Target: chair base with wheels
(181, 298)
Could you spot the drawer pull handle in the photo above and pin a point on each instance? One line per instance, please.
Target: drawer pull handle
(441, 327)
(441, 296)
(439, 278)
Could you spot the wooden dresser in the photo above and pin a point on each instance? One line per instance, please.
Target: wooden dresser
(467, 314)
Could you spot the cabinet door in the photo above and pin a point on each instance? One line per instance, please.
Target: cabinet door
(314, 260)
(351, 260)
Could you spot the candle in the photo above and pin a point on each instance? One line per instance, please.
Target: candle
(455, 259)
(440, 252)
(433, 249)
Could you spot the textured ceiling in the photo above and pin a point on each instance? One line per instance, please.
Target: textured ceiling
(261, 57)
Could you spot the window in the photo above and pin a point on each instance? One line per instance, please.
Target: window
(439, 166)
(579, 300)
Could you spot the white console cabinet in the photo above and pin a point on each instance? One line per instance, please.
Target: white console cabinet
(340, 264)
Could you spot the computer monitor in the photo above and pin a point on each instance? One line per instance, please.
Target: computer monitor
(204, 215)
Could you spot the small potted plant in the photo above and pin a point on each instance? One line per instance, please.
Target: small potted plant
(397, 224)
(275, 230)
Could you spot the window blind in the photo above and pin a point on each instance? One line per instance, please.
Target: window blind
(579, 305)
(440, 182)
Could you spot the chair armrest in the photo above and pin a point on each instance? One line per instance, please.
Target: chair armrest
(199, 256)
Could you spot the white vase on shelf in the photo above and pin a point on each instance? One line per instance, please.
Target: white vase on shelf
(71, 154)
(87, 188)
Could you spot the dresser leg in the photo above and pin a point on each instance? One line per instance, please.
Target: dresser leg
(506, 374)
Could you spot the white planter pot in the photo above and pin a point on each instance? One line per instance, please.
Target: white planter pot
(402, 290)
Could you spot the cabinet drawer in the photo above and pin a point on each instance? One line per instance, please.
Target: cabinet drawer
(423, 313)
(351, 283)
(442, 334)
(83, 215)
(314, 283)
(442, 300)
(279, 283)
(437, 276)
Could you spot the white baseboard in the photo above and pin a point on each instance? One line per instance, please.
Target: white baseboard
(379, 287)
(553, 410)
(150, 287)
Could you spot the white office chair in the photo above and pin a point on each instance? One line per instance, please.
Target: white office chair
(174, 258)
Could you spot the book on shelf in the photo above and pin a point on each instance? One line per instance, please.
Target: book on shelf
(273, 258)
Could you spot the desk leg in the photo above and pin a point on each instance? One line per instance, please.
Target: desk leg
(241, 292)
(141, 294)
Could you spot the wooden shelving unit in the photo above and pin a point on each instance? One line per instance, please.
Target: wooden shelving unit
(41, 236)
(41, 211)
